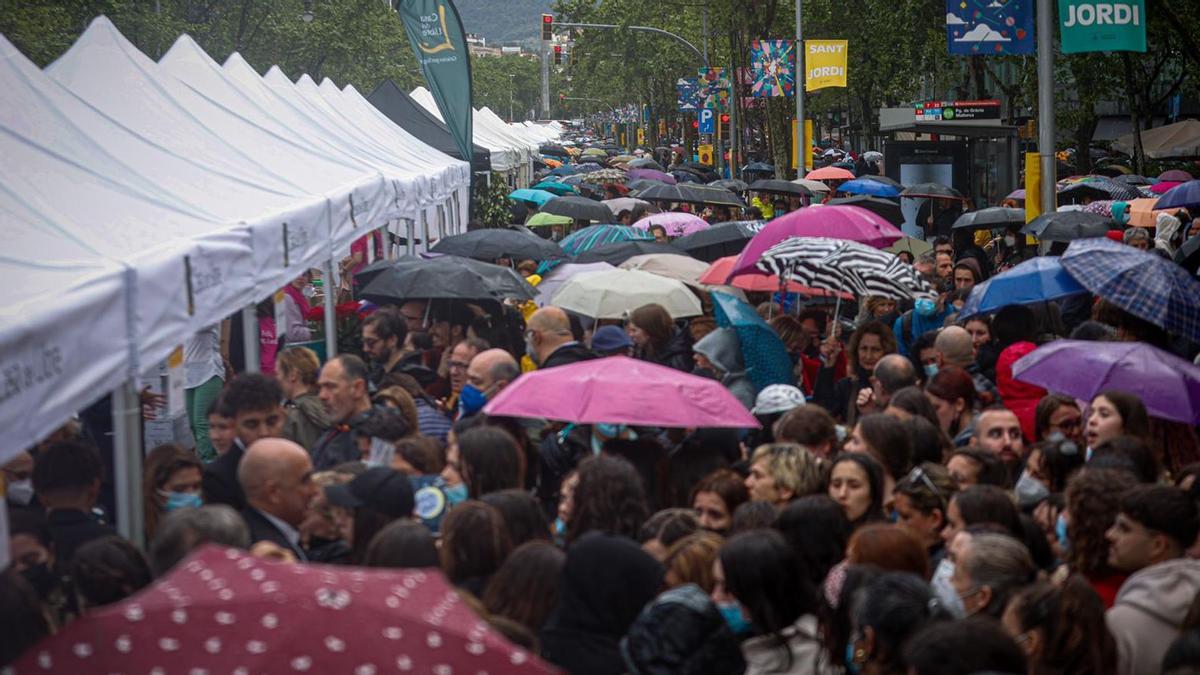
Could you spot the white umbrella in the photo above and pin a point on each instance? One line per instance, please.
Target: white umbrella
(555, 278)
(612, 294)
(814, 186)
(681, 268)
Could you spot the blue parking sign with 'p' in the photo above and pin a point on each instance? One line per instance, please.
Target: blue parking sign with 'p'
(707, 121)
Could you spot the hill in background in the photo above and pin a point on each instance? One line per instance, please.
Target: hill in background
(503, 20)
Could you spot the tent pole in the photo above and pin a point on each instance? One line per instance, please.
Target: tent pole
(330, 312)
(127, 461)
(250, 338)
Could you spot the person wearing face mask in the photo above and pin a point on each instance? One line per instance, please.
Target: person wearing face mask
(927, 314)
(884, 613)
(989, 569)
(172, 478)
(955, 347)
(18, 484)
(32, 555)
(487, 375)
(765, 597)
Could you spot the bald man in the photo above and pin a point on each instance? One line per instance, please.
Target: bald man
(956, 348)
(276, 475)
(549, 341)
(487, 375)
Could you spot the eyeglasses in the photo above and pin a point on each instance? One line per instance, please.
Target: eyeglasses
(918, 475)
(370, 342)
(458, 365)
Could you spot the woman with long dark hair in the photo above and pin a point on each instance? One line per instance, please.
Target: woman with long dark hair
(868, 343)
(657, 339)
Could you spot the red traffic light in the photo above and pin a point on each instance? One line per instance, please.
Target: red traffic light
(695, 124)
(724, 119)
(557, 49)
(547, 18)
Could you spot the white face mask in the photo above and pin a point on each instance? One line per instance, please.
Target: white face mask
(20, 491)
(309, 291)
(944, 590)
(1010, 240)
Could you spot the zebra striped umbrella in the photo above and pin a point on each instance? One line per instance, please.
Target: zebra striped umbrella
(841, 265)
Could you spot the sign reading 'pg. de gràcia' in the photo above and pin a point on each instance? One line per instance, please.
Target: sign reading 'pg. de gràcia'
(1102, 25)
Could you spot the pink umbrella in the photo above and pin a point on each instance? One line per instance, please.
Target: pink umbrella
(1165, 186)
(675, 223)
(1175, 175)
(621, 390)
(718, 273)
(829, 173)
(853, 223)
(651, 174)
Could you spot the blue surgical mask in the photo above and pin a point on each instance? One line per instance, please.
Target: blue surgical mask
(182, 500)
(456, 494)
(560, 526)
(931, 369)
(925, 307)
(602, 432)
(851, 667)
(734, 617)
(471, 400)
(1060, 530)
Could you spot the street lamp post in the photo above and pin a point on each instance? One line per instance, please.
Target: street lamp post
(510, 97)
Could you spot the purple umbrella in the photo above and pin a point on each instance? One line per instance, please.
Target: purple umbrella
(1175, 175)
(651, 174)
(675, 223)
(852, 223)
(1167, 384)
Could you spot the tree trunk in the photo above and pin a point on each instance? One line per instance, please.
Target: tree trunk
(1135, 115)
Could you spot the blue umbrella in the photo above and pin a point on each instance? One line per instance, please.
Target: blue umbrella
(555, 187)
(564, 170)
(759, 167)
(538, 197)
(1035, 280)
(1138, 282)
(866, 186)
(1185, 196)
(766, 357)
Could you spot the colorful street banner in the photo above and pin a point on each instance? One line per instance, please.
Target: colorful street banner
(688, 89)
(436, 34)
(774, 68)
(995, 27)
(714, 88)
(1090, 26)
(824, 64)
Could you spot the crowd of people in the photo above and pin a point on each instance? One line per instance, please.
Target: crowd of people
(906, 505)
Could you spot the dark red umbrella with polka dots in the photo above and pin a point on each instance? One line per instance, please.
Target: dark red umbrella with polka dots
(224, 611)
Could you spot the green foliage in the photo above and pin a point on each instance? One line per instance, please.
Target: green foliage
(496, 78)
(358, 42)
(491, 202)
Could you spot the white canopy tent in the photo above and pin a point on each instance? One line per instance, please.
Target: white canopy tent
(141, 202)
(508, 155)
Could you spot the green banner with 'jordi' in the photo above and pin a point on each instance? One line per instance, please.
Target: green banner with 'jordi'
(1102, 25)
(436, 33)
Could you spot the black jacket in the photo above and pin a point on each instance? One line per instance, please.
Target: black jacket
(69, 529)
(681, 632)
(220, 481)
(677, 354)
(571, 352)
(262, 529)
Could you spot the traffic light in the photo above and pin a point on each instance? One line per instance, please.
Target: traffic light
(547, 27)
(557, 55)
(695, 124)
(724, 119)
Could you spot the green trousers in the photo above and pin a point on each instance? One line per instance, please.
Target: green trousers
(198, 401)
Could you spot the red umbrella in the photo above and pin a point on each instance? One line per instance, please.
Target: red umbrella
(829, 173)
(718, 273)
(224, 611)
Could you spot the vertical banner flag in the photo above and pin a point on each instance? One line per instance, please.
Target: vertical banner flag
(1091, 26)
(982, 27)
(714, 88)
(436, 34)
(689, 93)
(774, 64)
(824, 64)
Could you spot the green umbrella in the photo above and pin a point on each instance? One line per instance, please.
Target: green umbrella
(547, 219)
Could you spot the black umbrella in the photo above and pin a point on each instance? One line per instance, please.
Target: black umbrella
(995, 217)
(589, 159)
(556, 150)
(758, 167)
(646, 163)
(642, 184)
(1078, 191)
(932, 191)
(1069, 225)
(1106, 187)
(579, 208)
(491, 244)
(1134, 180)
(1187, 257)
(720, 240)
(447, 277)
(681, 176)
(731, 184)
(691, 194)
(782, 187)
(887, 209)
(615, 254)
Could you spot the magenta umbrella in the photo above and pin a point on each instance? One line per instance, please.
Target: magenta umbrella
(651, 174)
(1163, 187)
(1168, 385)
(852, 223)
(676, 224)
(621, 390)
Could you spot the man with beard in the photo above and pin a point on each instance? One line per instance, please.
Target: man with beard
(383, 337)
(998, 431)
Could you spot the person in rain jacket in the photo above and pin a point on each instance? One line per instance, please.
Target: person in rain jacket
(721, 352)
(1019, 397)
(926, 315)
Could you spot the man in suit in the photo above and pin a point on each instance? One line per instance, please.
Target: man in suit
(254, 402)
(276, 476)
(66, 478)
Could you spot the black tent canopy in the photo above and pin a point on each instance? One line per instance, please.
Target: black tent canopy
(401, 109)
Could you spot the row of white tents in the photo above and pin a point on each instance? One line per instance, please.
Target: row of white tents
(514, 147)
(143, 201)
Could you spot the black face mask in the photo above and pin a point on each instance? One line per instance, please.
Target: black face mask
(705, 372)
(42, 578)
